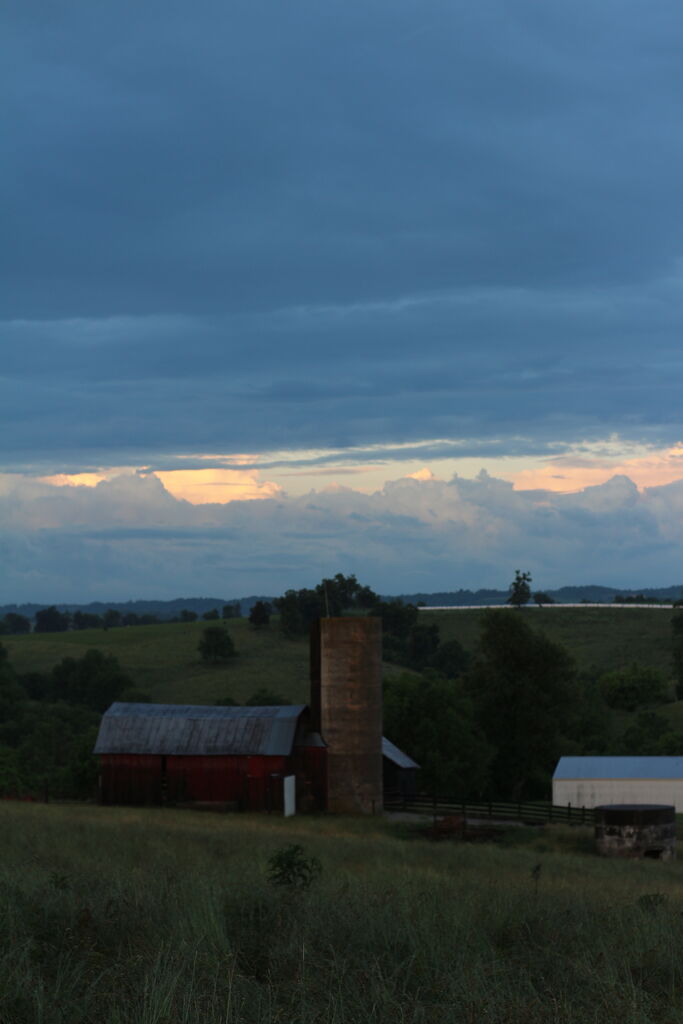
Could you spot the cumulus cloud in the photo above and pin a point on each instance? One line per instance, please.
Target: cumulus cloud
(129, 537)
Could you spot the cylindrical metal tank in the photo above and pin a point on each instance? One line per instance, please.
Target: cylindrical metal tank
(636, 830)
(351, 712)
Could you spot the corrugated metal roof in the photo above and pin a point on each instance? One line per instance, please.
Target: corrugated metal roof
(619, 768)
(391, 751)
(198, 729)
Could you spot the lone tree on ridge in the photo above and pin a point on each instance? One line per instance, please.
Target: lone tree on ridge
(520, 591)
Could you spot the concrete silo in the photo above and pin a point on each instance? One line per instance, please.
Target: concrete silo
(346, 694)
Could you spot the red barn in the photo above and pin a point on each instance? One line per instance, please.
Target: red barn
(179, 753)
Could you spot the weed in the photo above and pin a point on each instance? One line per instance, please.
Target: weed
(60, 882)
(288, 866)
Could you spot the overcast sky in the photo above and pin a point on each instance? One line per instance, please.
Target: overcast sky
(273, 273)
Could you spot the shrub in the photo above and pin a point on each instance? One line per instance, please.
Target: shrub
(634, 687)
(288, 866)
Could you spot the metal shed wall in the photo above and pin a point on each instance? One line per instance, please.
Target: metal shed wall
(593, 781)
(596, 792)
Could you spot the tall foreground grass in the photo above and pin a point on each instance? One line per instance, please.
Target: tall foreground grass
(162, 917)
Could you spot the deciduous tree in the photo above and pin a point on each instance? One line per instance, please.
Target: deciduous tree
(259, 616)
(216, 645)
(524, 691)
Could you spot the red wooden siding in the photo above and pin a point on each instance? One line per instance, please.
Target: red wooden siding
(152, 779)
(131, 779)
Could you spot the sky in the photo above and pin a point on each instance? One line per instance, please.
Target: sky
(392, 288)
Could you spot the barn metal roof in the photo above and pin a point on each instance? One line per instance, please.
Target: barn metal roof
(619, 768)
(392, 752)
(198, 729)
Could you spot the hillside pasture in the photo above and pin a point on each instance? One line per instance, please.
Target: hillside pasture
(163, 661)
(599, 639)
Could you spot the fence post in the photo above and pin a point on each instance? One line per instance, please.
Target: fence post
(583, 815)
(569, 813)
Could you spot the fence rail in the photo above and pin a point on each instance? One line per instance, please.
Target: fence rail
(531, 812)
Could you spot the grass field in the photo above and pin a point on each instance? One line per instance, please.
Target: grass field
(601, 638)
(121, 916)
(162, 660)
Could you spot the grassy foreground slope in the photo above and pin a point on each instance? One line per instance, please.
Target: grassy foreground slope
(114, 915)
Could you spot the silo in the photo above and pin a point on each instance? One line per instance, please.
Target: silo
(350, 682)
(636, 830)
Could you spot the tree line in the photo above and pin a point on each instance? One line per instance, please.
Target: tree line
(52, 620)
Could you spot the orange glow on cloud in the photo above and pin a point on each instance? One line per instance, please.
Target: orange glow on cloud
(574, 473)
(198, 486)
(205, 486)
(80, 479)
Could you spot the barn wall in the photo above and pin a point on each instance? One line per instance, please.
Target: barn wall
(151, 779)
(595, 792)
(130, 779)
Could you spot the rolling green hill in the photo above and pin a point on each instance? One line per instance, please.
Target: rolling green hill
(163, 661)
(598, 638)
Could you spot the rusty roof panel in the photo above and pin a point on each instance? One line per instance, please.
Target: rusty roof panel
(198, 729)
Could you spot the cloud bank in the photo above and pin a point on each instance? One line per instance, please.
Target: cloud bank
(129, 537)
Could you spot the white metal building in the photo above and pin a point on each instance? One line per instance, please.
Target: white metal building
(593, 781)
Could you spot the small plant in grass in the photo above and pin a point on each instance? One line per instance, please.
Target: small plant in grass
(59, 881)
(652, 901)
(290, 867)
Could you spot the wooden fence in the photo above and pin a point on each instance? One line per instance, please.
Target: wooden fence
(532, 813)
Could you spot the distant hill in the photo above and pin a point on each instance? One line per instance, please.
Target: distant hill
(164, 610)
(564, 595)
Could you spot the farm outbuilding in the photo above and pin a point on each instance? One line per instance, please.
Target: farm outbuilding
(176, 753)
(594, 781)
(400, 771)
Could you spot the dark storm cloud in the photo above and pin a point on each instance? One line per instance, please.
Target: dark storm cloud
(259, 225)
(510, 371)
